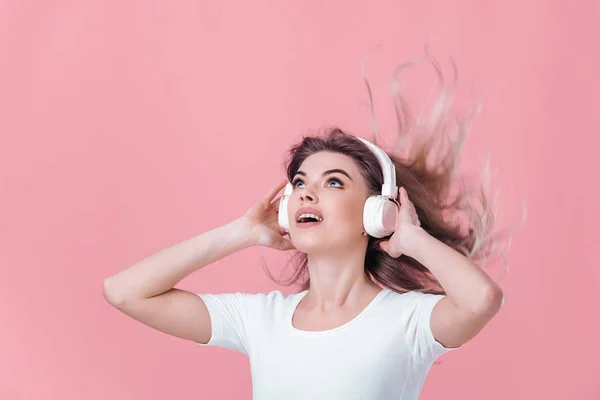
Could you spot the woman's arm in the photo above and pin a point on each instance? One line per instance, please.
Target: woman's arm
(145, 291)
(163, 270)
(473, 298)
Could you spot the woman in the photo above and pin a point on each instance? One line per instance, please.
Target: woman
(389, 283)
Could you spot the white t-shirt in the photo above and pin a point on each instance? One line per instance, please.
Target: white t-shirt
(383, 353)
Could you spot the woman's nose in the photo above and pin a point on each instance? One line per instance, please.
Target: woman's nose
(307, 195)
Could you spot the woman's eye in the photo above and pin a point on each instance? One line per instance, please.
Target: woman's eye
(332, 180)
(335, 181)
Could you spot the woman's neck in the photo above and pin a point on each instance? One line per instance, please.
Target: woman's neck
(335, 283)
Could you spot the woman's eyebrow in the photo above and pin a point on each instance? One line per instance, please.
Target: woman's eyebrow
(329, 171)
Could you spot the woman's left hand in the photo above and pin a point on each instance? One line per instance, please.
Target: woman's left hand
(407, 225)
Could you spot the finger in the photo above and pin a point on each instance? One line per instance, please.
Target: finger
(401, 195)
(276, 201)
(406, 200)
(405, 195)
(273, 192)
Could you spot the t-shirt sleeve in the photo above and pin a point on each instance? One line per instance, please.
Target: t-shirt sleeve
(425, 348)
(230, 320)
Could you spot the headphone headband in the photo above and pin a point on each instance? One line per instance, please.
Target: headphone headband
(389, 188)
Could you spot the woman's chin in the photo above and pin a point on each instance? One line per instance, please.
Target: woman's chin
(316, 245)
(316, 242)
(309, 243)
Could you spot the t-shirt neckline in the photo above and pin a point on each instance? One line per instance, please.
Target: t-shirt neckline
(345, 325)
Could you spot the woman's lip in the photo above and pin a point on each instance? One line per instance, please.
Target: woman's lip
(307, 224)
(308, 210)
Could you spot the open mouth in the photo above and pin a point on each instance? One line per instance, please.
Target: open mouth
(308, 219)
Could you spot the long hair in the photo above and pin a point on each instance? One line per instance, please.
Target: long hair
(429, 174)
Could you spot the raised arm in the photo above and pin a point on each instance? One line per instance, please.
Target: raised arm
(145, 291)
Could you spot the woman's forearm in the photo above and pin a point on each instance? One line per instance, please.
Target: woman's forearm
(161, 271)
(467, 285)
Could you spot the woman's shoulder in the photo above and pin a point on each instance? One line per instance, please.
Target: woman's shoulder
(270, 299)
(255, 303)
(275, 297)
(411, 298)
(273, 294)
(411, 295)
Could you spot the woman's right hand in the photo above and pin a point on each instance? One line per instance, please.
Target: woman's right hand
(264, 222)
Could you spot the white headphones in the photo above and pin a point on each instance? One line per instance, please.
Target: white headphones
(379, 212)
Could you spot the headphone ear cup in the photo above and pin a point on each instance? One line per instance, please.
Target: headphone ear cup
(379, 216)
(282, 215)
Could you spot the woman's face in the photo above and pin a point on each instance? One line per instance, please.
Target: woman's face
(327, 185)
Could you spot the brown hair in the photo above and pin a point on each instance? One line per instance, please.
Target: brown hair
(429, 184)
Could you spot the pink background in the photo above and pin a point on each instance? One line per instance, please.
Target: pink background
(128, 126)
